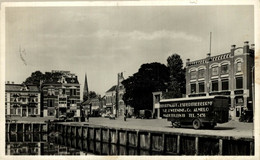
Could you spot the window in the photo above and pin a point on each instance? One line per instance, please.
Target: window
(224, 69)
(72, 92)
(201, 73)
(224, 84)
(193, 88)
(239, 67)
(239, 100)
(215, 71)
(201, 87)
(30, 111)
(239, 82)
(157, 98)
(50, 113)
(214, 85)
(19, 111)
(50, 103)
(193, 75)
(63, 91)
(51, 91)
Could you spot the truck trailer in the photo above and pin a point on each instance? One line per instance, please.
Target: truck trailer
(196, 111)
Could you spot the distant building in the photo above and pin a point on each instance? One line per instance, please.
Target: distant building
(61, 95)
(229, 74)
(111, 99)
(114, 98)
(92, 106)
(22, 100)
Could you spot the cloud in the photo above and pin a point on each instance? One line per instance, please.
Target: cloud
(155, 35)
(133, 35)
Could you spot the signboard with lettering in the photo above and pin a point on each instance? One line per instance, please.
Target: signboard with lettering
(212, 109)
(186, 109)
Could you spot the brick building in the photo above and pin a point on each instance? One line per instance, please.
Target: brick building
(114, 96)
(22, 100)
(229, 74)
(61, 95)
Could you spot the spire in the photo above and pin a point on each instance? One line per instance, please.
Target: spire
(85, 90)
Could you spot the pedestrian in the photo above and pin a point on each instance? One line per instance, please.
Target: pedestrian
(125, 117)
(87, 115)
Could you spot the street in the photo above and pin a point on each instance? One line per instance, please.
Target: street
(232, 128)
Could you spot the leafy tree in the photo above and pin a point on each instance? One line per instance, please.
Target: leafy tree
(92, 94)
(37, 76)
(177, 77)
(150, 77)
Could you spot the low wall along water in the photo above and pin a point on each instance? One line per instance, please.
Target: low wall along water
(101, 140)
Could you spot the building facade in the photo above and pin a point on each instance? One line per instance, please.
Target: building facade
(61, 95)
(230, 74)
(114, 98)
(22, 100)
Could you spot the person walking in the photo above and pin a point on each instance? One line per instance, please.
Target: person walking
(125, 116)
(87, 115)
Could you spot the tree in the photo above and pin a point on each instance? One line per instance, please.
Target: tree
(37, 76)
(150, 77)
(92, 94)
(177, 77)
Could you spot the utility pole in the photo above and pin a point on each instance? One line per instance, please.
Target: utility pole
(117, 98)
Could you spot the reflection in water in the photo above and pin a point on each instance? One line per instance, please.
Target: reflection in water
(42, 144)
(37, 144)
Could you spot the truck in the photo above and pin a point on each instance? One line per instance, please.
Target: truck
(200, 112)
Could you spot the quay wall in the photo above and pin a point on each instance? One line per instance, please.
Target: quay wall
(138, 142)
(147, 142)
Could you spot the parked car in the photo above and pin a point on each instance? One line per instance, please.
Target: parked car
(112, 116)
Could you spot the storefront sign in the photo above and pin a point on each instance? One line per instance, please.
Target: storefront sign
(239, 91)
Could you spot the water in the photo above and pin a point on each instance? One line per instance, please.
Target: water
(42, 144)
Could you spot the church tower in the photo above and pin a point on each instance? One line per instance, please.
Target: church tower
(85, 90)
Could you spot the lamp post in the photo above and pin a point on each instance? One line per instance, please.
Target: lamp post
(253, 90)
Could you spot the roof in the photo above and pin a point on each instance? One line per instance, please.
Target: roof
(112, 89)
(91, 100)
(18, 87)
(190, 98)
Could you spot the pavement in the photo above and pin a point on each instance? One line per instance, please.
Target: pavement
(232, 128)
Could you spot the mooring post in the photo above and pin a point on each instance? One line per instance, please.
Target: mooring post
(220, 147)
(163, 144)
(196, 145)
(108, 136)
(138, 142)
(150, 141)
(178, 144)
(252, 148)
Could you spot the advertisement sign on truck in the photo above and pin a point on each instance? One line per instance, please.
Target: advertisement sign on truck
(198, 111)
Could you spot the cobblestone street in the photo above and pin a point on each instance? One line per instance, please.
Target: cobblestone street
(232, 128)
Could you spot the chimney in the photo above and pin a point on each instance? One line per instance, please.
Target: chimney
(233, 47)
(8, 82)
(12, 82)
(208, 55)
(187, 61)
(246, 47)
(252, 46)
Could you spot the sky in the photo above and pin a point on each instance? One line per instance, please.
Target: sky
(104, 41)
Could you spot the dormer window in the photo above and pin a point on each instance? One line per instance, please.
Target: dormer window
(239, 67)
(193, 75)
(224, 69)
(214, 70)
(201, 73)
